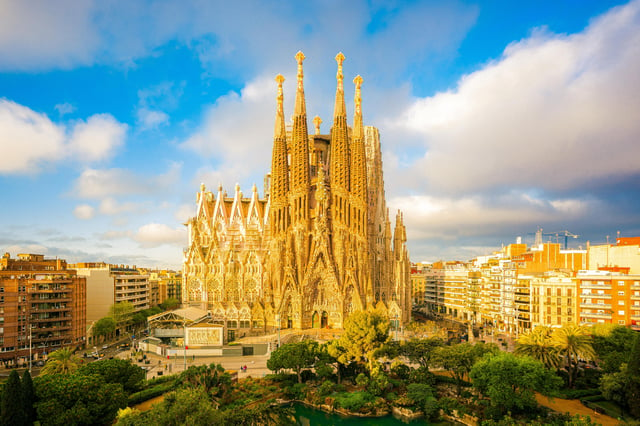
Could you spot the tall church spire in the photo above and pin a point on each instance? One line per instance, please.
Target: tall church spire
(279, 168)
(358, 164)
(339, 167)
(300, 176)
(339, 108)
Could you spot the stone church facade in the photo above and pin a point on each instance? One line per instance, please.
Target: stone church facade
(317, 246)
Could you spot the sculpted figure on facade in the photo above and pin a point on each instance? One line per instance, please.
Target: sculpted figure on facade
(317, 246)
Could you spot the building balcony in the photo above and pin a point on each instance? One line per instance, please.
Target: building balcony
(43, 310)
(597, 286)
(595, 306)
(635, 317)
(595, 315)
(635, 297)
(51, 300)
(595, 295)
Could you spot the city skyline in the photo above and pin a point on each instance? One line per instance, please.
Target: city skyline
(111, 116)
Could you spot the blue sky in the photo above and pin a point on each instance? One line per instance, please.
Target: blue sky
(496, 117)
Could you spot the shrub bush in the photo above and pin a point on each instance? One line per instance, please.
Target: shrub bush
(147, 394)
(354, 401)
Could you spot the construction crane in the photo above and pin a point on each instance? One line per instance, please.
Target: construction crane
(566, 234)
(539, 235)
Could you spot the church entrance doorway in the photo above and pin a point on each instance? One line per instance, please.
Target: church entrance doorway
(315, 320)
(289, 322)
(324, 322)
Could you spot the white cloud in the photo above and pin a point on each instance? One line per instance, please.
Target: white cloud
(98, 138)
(84, 212)
(64, 108)
(185, 212)
(27, 139)
(103, 183)
(30, 141)
(110, 206)
(156, 234)
(150, 119)
(238, 129)
(450, 218)
(554, 112)
(41, 33)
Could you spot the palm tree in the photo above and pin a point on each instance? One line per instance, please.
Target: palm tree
(573, 343)
(62, 361)
(538, 345)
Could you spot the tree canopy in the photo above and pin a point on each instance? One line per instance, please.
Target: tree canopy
(62, 361)
(573, 342)
(77, 399)
(104, 327)
(296, 356)
(459, 359)
(121, 312)
(13, 412)
(509, 381)
(538, 345)
(121, 371)
(364, 332)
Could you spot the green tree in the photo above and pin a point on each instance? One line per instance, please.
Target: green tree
(459, 359)
(28, 398)
(538, 345)
(73, 399)
(121, 312)
(573, 343)
(62, 361)
(170, 303)
(12, 403)
(212, 378)
(612, 344)
(364, 332)
(509, 381)
(295, 356)
(613, 386)
(104, 327)
(422, 395)
(632, 386)
(421, 351)
(121, 371)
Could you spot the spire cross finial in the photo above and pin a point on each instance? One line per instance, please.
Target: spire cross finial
(339, 76)
(280, 80)
(299, 58)
(317, 121)
(358, 98)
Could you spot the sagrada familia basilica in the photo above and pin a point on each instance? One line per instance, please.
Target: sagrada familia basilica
(317, 246)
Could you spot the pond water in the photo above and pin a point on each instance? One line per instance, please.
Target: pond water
(307, 416)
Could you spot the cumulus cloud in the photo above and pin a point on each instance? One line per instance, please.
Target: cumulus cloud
(185, 212)
(156, 234)
(97, 138)
(110, 206)
(84, 212)
(149, 119)
(30, 141)
(40, 33)
(237, 130)
(64, 108)
(554, 112)
(103, 183)
(450, 218)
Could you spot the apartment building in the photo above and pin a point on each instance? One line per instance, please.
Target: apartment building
(109, 284)
(609, 297)
(42, 307)
(555, 301)
(168, 284)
